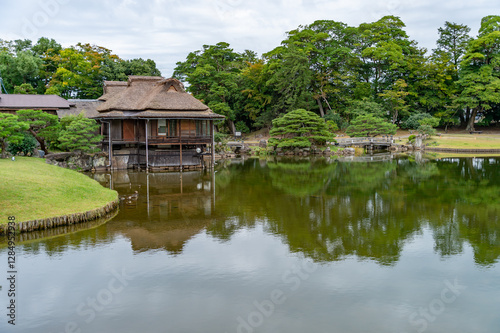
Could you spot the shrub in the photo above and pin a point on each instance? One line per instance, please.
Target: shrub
(79, 133)
(332, 126)
(337, 119)
(299, 129)
(219, 137)
(242, 127)
(369, 125)
(413, 122)
(426, 130)
(26, 146)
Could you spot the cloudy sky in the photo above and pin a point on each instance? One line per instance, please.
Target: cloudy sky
(167, 30)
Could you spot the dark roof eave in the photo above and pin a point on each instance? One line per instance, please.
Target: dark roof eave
(172, 117)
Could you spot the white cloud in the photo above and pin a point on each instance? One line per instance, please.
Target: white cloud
(167, 30)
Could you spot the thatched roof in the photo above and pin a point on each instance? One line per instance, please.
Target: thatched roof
(36, 102)
(111, 88)
(153, 97)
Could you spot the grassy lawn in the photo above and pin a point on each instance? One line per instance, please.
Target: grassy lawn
(436, 155)
(467, 141)
(31, 189)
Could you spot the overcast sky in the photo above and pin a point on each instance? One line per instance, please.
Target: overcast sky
(167, 30)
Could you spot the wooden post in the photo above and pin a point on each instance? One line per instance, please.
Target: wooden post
(212, 130)
(147, 148)
(110, 146)
(180, 144)
(147, 188)
(180, 155)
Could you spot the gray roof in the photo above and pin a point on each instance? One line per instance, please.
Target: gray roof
(37, 102)
(86, 106)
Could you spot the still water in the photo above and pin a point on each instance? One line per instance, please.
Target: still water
(404, 245)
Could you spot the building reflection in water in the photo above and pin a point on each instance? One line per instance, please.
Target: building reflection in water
(161, 210)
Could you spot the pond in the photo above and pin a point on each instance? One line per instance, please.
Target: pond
(316, 245)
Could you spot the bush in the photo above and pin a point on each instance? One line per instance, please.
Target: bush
(337, 119)
(332, 126)
(368, 125)
(413, 122)
(79, 134)
(411, 138)
(219, 137)
(426, 130)
(299, 129)
(242, 127)
(26, 146)
(431, 121)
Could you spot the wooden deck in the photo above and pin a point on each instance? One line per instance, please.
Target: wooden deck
(162, 140)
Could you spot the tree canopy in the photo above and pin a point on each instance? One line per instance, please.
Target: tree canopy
(369, 125)
(331, 68)
(326, 67)
(72, 72)
(299, 129)
(11, 130)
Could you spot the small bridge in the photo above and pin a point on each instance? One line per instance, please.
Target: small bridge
(236, 144)
(369, 143)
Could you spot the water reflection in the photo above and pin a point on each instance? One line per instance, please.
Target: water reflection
(329, 210)
(161, 210)
(325, 209)
(203, 251)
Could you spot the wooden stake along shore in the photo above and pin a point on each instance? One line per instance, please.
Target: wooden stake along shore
(53, 222)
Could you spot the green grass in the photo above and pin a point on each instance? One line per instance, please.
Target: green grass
(31, 189)
(438, 155)
(467, 141)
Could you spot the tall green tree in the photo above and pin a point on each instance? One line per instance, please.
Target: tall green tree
(43, 126)
(453, 41)
(480, 72)
(395, 99)
(213, 74)
(79, 134)
(20, 68)
(11, 130)
(291, 79)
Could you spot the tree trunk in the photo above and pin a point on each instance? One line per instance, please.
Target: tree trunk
(40, 141)
(395, 116)
(462, 118)
(321, 111)
(4, 152)
(231, 126)
(470, 123)
(467, 116)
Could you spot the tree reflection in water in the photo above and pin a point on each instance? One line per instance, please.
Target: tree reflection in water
(322, 208)
(328, 210)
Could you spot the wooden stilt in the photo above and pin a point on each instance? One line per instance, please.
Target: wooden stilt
(213, 142)
(147, 144)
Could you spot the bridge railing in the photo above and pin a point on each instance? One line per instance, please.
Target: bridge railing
(385, 139)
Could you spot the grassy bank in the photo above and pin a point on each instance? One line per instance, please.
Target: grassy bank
(467, 141)
(31, 189)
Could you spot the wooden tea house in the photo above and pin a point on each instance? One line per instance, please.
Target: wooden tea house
(154, 123)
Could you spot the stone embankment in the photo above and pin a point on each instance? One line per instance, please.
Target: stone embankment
(77, 161)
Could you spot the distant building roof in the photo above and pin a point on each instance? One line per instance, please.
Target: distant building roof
(151, 97)
(86, 106)
(38, 102)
